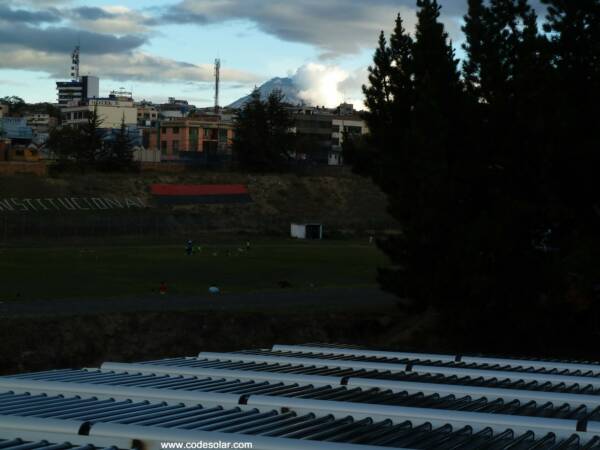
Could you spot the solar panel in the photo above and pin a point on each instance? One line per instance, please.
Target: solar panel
(313, 396)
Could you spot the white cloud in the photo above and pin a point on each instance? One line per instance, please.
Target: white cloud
(329, 85)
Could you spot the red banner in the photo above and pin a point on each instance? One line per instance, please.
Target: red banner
(198, 189)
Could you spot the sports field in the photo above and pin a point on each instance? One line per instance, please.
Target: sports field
(105, 269)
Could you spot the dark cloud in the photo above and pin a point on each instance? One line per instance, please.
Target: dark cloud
(91, 13)
(335, 26)
(62, 40)
(32, 17)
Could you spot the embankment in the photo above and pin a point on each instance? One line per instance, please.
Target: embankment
(43, 343)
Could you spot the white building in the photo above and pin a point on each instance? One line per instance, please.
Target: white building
(112, 111)
(353, 125)
(306, 230)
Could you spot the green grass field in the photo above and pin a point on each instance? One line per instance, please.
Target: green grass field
(109, 270)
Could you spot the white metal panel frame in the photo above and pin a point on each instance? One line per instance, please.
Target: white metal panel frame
(241, 375)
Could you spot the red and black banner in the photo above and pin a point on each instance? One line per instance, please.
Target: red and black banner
(178, 194)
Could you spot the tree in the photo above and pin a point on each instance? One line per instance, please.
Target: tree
(16, 104)
(120, 150)
(573, 140)
(92, 149)
(389, 98)
(82, 144)
(65, 143)
(418, 154)
(263, 137)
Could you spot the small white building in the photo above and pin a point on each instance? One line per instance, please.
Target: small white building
(306, 230)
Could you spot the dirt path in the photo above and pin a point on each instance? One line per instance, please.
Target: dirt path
(334, 299)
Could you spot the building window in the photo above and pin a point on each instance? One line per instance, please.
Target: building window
(175, 130)
(354, 130)
(175, 146)
(163, 147)
(163, 130)
(336, 128)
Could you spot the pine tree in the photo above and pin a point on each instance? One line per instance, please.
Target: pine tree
(92, 149)
(417, 165)
(263, 138)
(378, 93)
(120, 155)
(574, 140)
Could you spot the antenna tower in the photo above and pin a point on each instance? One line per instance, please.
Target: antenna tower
(75, 64)
(217, 83)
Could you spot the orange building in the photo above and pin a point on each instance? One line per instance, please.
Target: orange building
(177, 139)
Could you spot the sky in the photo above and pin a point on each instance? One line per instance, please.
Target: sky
(166, 48)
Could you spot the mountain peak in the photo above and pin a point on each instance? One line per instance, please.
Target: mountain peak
(286, 85)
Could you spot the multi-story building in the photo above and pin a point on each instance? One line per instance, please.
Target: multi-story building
(41, 123)
(147, 114)
(112, 111)
(321, 131)
(192, 138)
(79, 90)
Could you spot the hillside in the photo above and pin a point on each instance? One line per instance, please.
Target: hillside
(344, 203)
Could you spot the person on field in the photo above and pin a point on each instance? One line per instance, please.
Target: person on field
(189, 248)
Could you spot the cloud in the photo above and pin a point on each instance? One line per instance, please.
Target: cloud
(62, 40)
(26, 16)
(111, 19)
(329, 85)
(134, 66)
(334, 26)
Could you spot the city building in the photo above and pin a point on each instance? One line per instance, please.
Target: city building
(112, 111)
(79, 90)
(175, 109)
(192, 138)
(147, 114)
(321, 130)
(41, 123)
(4, 110)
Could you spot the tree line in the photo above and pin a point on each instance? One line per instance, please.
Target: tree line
(490, 167)
(88, 145)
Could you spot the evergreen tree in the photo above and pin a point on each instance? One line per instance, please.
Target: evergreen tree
(92, 149)
(263, 138)
(378, 92)
(417, 172)
(574, 140)
(120, 156)
(389, 99)
(65, 143)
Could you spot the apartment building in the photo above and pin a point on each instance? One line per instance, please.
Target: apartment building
(192, 138)
(321, 131)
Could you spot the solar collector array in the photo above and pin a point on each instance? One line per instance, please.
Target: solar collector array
(286, 425)
(332, 393)
(317, 394)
